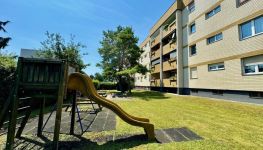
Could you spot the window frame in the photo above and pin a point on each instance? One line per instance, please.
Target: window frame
(190, 50)
(253, 29)
(191, 7)
(191, 76)
(241, 3)
(213, 11)
(215, 38)
(256, 69)
(217, 67)
(190, 28)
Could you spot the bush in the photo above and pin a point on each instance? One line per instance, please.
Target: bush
(7, 76)
(107, 86)
(96, 83)
(104, 85)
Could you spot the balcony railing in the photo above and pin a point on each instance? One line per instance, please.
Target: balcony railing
(155, 41)
(169, 29)
(169, 65)
(155, 68)
(155, 82)
(169, 47)
(155, 54)
(169, 83)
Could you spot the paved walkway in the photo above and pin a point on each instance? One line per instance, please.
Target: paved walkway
(103, 121)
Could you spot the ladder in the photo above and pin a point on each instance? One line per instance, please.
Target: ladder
(14, 120)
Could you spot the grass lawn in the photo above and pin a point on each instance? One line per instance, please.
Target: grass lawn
(223, 125)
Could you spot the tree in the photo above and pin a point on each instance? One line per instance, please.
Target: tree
(98, 77)
(120, 53)
(91, 76)
(56, 47)
(7, 67)
(3, 40)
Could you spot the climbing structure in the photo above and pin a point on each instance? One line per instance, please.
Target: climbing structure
(83, 83)
(37, 80)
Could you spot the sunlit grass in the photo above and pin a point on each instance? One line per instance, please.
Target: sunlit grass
(222, 124)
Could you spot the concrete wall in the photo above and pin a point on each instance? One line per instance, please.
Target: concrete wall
(230, 50)
(144, 80)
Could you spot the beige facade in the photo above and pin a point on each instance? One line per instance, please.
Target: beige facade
(214, 45)
(143, 81)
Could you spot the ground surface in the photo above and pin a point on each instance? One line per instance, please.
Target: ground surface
(221, 124)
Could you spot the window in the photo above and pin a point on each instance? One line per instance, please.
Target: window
(193, 73)
(155, 62)
(173, 55)
(192, 28)
(215, 38)
(256, 94)
(217, 92)
(241, 2)
(251, 28)
(253, 69)
(213, 12)
(194, 91)
(216, 67)
(193, 50)
(253, 65)
(191, 7)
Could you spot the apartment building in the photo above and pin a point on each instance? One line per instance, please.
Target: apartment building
(209, 48)
(143, 81)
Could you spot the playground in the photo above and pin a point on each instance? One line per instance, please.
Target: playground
(217, 122)
(144, 120)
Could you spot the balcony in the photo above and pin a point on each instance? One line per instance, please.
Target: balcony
(169, 65)
(156, 68)
(155, 83)
(169, 29)
(155, 41)
(155, 54)
(169, 47)
(169, 82)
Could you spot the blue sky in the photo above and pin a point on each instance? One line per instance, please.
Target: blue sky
(86, 19)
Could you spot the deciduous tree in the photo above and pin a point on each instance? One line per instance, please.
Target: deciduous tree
(56, 47)
(120, 54)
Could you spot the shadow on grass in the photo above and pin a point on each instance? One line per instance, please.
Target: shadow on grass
(78, 142)
(149, 95)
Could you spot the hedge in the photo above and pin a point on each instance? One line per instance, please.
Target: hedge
(104, 85)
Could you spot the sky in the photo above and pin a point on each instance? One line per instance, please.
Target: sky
(86, 19)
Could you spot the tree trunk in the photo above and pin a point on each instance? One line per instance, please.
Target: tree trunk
(129, 85)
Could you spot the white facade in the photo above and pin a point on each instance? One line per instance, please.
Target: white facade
(143, 81)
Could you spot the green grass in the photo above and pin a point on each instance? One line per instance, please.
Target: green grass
(222, 124)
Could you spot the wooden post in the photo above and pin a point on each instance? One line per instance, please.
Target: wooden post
(61, 90)
(73, 112)
(41, 117)
(13, 108)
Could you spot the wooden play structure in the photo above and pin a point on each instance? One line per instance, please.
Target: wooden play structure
(38, 80)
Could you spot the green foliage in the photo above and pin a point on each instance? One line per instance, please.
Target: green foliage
(7, 67)
(56, 47)
(96, 83)
(107, 85)
(99, 77)
(136, 69)
(4, 40)
(7, 61)
(104, 85)
(120, 53)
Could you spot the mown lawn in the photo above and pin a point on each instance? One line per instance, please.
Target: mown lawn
(223, 125)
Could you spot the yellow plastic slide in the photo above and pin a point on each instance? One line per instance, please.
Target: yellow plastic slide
(83, 83)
